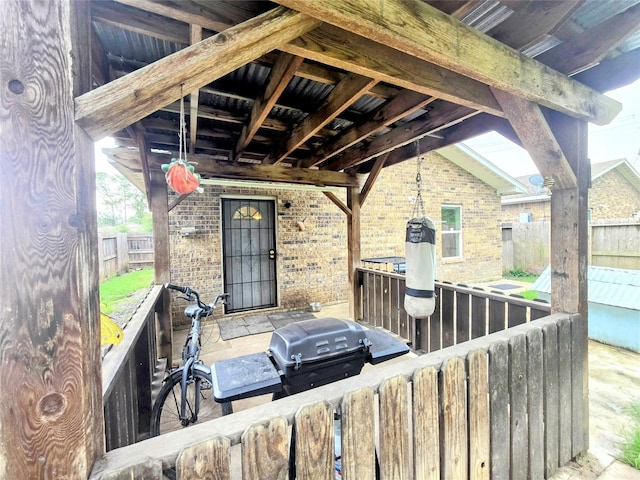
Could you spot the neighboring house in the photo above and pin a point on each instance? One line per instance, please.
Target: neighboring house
(281, 246)
(614, 194)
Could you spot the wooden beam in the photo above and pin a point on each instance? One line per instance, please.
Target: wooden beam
(196, 37)
(418, 29)
(341, 49)
(403, 104)
(345, 94)
(538, 139)
(332, 196)
(407, 133)
(353, 242)
(371, 179)
(281, 74)
(126, 100)
(136, 132)
(592, 45)
(51, 423)
(210, 168)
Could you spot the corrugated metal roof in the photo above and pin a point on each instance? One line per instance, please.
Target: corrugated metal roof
(608, 286)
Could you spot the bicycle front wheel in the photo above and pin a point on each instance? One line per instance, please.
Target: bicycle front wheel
(200, 404)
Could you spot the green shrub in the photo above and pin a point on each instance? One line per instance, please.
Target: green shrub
(631, 445)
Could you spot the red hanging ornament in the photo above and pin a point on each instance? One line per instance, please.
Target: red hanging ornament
(180, 176)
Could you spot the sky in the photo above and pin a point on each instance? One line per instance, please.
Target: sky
(619, 139)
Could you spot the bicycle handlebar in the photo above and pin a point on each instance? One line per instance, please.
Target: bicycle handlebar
(189, 293)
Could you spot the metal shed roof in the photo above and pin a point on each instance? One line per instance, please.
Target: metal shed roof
(607, 286)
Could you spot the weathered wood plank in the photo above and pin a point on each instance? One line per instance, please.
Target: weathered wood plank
(579, 439)
(454, 435)
(496, 315)
(518, 407)
(448, 319)
(435, 324)
(499, 405)
(358, 429)
(535, 395)
(150, 468)
(426, 425)
(551, 399)
(315, 442)
(516, 315)
(386, 306)
(479, 416)
(429, 34)
(478, 316)
(564, 397)
(462, 317)
(210, 459)
(124, 101)
(265, 450)
(377, 306)
(353, 246)
(395, 458)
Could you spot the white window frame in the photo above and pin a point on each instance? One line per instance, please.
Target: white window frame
(458, 232)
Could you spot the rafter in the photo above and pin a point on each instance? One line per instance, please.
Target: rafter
(112, 107)
(196, 36)
(347, 92)
(403, 104)
(418, 29)
(373, 175)
(425, 125)
(281, 74)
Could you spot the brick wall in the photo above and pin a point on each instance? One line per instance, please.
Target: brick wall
(312, 264)
(611, 196)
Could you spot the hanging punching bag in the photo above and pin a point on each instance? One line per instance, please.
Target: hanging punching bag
(419, 299)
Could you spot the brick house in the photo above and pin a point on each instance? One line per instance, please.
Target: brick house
(614, 194)
(307, 232)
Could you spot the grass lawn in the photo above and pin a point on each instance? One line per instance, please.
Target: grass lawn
(117, 288)
(631, 444)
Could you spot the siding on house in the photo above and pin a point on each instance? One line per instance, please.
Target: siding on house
(312, 264)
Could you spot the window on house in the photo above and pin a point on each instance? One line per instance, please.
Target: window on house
(451, 231)
(247, 212)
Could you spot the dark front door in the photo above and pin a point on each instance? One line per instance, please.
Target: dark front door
(249, 245)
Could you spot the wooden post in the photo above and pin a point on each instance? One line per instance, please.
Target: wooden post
(51, 425)
(570, 240)
(161, 256)
(353, 239)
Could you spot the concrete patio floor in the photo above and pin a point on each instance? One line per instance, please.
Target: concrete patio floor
(614, 383)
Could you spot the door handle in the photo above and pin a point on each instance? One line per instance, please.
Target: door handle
(272, 254)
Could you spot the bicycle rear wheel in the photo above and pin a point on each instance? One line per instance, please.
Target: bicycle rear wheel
(201, 406)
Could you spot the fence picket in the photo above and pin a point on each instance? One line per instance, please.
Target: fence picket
(426, 427)
(479, 427)
(564, 383)
(210, 459)
(579, 345)
(462, 317)
(395, 459)
(499, 408)
(518, 401)
(314, 443)
(478, 316)
(454, 423)
(448, 320)
(535, 393)
(358, 447)
(435, 324)
(551, 399)
(265, 450)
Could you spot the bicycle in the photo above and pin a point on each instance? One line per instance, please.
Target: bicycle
(186, 395)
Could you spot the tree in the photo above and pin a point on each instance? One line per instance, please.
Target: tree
(119, 202)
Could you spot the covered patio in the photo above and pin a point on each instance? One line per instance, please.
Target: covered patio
(322, 94)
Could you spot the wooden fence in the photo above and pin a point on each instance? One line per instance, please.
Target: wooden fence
(613, 244)
(128, 371)
(461, 313)
(120, 252)
(510, 405)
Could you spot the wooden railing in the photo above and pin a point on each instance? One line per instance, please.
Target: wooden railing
(127, 374)
(462, 313)
(508, 405)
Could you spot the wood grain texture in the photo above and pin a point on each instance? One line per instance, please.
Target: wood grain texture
(518, 407)
(52, 426)
(395, 455)
(535, 396)
(564, 396)
(499, 405)
(420, 30)
(454, 435)
(120, 103)
(210, 460)
(578, 399)
(479, 416)
(315, 442)
(265, 450)
(358, 429)
(551, 399)
(426, 424)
